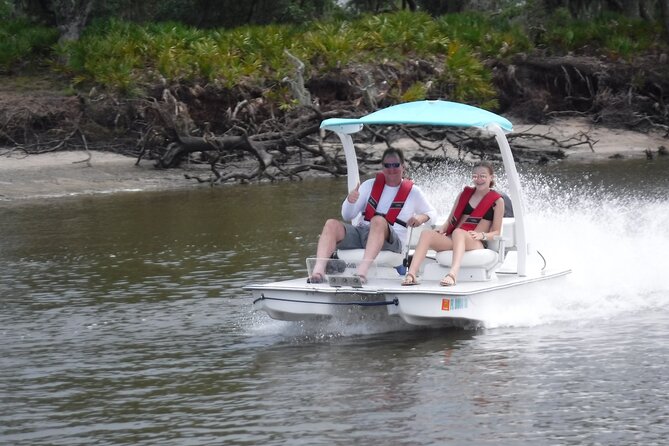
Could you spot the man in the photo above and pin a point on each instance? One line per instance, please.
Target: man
(388, 204)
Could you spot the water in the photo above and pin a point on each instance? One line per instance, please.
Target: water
(122, 321)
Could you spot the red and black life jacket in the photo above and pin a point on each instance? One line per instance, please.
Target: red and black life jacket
(475, 217)
(395, 206)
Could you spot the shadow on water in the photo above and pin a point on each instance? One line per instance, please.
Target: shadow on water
(357, 347)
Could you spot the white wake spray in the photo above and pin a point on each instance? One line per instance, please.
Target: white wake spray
(615, 241)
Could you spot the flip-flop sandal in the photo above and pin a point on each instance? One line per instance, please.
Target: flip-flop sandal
(444, 282)
(410, 280)
(316, 278)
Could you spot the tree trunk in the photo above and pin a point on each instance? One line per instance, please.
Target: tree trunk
(72, 16)
(648, 9)
(664, 11)
(410, 3)
(629, 8)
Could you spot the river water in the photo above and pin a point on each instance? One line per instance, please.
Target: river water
(123, 321)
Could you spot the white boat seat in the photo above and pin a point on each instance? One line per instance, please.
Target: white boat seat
(385, 258)
(480, 264)
(479, 258)
(509, 232)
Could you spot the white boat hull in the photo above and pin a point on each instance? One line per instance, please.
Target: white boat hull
(466, 304)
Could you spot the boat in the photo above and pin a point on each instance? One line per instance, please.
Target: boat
(504, 275)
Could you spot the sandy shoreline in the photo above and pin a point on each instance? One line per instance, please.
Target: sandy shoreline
(61, 174)
(608, 142)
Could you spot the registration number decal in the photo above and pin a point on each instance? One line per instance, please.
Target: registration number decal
(453, 303)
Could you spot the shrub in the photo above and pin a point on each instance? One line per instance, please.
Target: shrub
(22, 42)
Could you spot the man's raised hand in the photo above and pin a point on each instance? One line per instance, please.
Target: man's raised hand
(354, 194)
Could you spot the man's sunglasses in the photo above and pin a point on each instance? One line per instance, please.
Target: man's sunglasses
(391, 165)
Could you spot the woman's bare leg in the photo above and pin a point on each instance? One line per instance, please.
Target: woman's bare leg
(428, 240)
(462, 242)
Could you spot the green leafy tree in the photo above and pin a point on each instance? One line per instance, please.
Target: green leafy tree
(379, 6)
(6, 9)
(69, 16)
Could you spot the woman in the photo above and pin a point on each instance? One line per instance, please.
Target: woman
(475, 218)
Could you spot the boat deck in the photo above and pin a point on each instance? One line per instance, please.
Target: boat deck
(382, 286)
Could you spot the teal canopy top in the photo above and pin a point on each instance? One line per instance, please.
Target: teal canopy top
(438, 113)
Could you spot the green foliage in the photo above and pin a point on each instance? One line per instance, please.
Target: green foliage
(491, 37)
(614, 35)
(330, 45)
(416, 92)
(465, 78)
(124, 56)
(6, 8)
(394, 35)
(213, 14)
(174, 52)
(127, 56)
(22, 42)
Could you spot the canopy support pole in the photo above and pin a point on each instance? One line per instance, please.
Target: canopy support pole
(352, 174)
(516, 195)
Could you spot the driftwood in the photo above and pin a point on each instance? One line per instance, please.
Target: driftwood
(296, 145)
(239, 156)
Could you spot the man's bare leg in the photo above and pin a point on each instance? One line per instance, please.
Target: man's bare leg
(333, 232)
(378, 233)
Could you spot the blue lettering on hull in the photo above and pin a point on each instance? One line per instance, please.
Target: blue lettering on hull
(454, 303)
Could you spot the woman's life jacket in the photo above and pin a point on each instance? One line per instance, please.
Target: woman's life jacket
(475, 217)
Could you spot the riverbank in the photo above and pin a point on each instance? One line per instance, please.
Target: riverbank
(58, 174)
(606, 142)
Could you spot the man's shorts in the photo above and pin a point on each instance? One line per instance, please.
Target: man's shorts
(356, 238)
